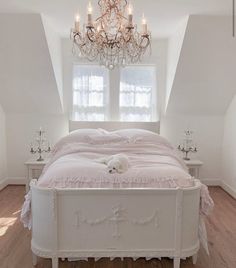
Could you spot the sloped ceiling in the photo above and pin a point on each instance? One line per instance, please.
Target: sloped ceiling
(175, 44)
(205, 79)
(54, 46)
(162, 15)
(27, 80)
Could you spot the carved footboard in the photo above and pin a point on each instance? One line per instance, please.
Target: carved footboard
(115, 223)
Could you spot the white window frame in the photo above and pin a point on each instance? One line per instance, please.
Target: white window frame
(104, 109)
(154, 101)
(113, 94)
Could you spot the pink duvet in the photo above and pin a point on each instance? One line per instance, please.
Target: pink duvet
(153, 162)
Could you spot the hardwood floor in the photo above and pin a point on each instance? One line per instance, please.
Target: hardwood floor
(15, 240)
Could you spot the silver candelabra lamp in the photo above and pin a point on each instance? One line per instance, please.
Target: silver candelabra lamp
(40, 146)
(187, 145)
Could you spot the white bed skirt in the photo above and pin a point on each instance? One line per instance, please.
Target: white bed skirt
(81, 223)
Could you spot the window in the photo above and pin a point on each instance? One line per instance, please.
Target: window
(130, 98)
(90, 93)
(137, 93)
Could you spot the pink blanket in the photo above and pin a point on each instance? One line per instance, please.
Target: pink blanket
(150, 165)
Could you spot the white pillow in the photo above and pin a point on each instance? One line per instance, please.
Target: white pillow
(107, 138)
(79, 135)
(142, 135)
(101, 136)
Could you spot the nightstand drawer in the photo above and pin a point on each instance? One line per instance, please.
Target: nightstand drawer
(34, 170)
(194, 167)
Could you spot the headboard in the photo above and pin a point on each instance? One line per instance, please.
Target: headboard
(110, 126)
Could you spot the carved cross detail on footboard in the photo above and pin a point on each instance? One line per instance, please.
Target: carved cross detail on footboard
(116, 217)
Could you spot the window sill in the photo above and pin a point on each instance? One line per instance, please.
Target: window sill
(114, 125)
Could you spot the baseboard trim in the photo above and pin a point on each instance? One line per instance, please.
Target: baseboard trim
(228, 189)
(16, 181)
(210, 182)
(3, 184)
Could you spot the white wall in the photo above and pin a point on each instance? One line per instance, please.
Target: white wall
(203, 86)
(229, 149)
(208, 134)
(30, 89)
(20, 129)
(27, 80)
(2, 148)
(205, 78)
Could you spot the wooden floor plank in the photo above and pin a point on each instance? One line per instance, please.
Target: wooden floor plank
(15, 240)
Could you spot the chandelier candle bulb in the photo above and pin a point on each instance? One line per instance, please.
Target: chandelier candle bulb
(90, 11)
(130, 14)
(89, 19)
(130, 17)
(77, 21)
(90, 8)
(144, 24)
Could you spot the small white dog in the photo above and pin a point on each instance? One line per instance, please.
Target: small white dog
(118, 163)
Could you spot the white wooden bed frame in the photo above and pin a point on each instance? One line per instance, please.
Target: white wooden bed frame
(112, 223)
(82, 223)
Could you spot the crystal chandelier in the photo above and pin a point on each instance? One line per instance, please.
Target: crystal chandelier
(112, 39)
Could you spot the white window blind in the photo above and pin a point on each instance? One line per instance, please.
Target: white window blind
(138, 93)
(90, 93)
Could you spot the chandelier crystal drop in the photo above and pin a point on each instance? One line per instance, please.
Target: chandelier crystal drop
(112, 39)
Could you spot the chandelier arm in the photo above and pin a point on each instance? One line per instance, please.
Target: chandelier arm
(123, 17)
(99, 18)
(77, 40)
(77, 35)
(129, 33)
(116, 37)
(88, 34)
(99, 3)
(147, 41)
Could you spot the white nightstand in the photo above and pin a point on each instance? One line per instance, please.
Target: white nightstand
(34, 170)
(194, 167)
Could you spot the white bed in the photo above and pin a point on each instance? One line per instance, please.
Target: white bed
(113, 222)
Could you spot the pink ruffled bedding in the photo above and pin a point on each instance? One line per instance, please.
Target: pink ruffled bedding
(153, 163)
